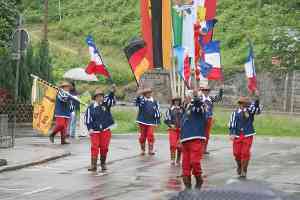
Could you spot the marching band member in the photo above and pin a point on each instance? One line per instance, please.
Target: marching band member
(192, 139)
(173, 119)
(62, 112)
(242, 132)
(148, 117)
(209, 104)
(98, 121)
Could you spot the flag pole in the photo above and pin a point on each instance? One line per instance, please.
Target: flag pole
(136, 81)
(109, 78)
(55, 87)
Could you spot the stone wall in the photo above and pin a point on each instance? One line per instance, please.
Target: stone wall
(278, 91)
(160, 82)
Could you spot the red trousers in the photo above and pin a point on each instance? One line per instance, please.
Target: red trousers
(146, 133)
(61, 125)
(174, 139)
(208, 127)
(242, 147)
(100, 140)
(191, 157)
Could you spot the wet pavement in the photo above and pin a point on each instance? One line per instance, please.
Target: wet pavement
(276, 161)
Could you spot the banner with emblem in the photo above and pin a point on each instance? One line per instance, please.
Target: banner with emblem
(43, 101)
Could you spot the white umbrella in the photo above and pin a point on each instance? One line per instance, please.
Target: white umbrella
(79, 74)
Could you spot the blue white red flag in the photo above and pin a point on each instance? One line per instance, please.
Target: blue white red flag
(96, 65)
(207, 26)
(205, 68)
(212, 57)
(250, 71)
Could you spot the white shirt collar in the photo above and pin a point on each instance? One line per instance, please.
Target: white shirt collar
(149, 99)
(240, 110)
(205, 98)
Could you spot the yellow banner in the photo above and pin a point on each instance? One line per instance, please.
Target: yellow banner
(201, 12)
(43, 110)
(167, 34)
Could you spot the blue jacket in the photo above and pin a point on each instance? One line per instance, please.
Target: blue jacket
(148, 113)
(193, 121)
(98, 117)
(174, 116)
(209, 102)
(241, 121)
(75, 105)
(63, 105)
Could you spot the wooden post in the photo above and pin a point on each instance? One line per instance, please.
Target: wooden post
(45, 20)
(285, 92)
(175, 81)
(293, 92)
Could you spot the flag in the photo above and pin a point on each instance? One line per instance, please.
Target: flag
(146, 28)
(156, 14)
(250, 71)
(205, 68)
(166, 34)
(183, 64)
(210, 9)
(212, 56)
(207, 26)
(96, 65)
(210, 14)
(136, 53)
(177, 23)
(43, 101)
(188, 40)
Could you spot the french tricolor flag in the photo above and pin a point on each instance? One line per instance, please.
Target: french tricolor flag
(250, 71)
(96, 65)
(212, 57)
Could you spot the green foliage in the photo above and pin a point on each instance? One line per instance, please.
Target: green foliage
(112, 23)
(266, 24)
(265, 124)
(8, 15)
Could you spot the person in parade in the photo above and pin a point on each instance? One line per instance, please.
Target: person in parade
(75, 111)
(147, 119)
(192, 139)
(62, 112)
(173, 119)
(98, 121)
(209, 105)
(242, 132)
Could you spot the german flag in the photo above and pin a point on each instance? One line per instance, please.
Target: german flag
(136, 53)
(156, 28)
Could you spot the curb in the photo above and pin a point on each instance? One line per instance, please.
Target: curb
(38, 162)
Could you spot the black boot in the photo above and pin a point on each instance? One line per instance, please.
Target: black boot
(199, 182)
(103, 163)
(51, 138)
(143, 149)
(178, 159)
(187, 181)
(244, 166)
(239, 167)
(173, 155)
(63, 140)
(93, 167)
(150, 149)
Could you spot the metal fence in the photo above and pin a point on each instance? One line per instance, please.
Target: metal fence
(6, 131)
(11, 115)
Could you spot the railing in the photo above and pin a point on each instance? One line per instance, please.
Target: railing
(6, 132)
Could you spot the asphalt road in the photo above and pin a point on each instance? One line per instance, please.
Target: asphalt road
(131, 176)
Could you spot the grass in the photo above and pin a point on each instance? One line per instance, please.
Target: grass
(67, 54)
(265, 124)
